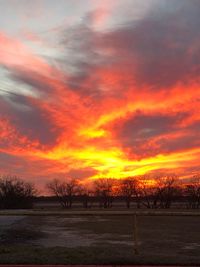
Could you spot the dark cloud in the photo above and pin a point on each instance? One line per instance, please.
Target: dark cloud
(158, 50)
(38, 82)
(189, 139)
(29, 119)
(182, 143)
(144, 135)
(81, 173)
(167, 45)
(146, 126)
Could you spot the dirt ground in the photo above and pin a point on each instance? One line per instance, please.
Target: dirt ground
(99, 240)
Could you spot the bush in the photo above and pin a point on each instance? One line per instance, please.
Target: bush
(15, 193)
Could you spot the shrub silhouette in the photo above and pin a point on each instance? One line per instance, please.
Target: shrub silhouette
(15, 193)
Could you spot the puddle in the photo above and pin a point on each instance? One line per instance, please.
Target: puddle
(118, 242)
(192, 246)
(60, 232)
(9, 220)
(62, 237)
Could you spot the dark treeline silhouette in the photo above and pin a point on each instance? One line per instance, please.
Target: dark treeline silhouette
(138, 192)
(192, 193)
(162, 192)
(15, 193)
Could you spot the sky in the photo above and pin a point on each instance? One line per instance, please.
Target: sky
(99, 89)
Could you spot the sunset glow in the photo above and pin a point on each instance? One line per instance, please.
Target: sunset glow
(99, 89)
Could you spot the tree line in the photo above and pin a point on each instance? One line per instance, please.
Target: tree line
(138, 192)
(16, 193)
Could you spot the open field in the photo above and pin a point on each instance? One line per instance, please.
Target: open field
(99, 239)
(47, 204)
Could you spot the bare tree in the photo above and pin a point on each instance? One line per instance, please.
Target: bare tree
(129, 188)
(16, 193)
(85, 195)
(64, 191)
(167, 190)
(161, 193)
(148, 196)
(192, 193)
(103, 189)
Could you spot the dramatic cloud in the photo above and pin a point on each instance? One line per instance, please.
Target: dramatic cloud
(109, 91)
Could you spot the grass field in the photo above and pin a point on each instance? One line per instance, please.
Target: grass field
(99, 240)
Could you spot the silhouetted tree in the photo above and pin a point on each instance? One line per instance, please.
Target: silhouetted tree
(168, 190)
(161, 193)
(103, 189)
(148, 196)
(85, 195)
(16, 193)
(192, 193)
(129, 188)
(64, 191)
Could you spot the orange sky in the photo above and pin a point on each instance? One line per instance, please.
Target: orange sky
(104, 92)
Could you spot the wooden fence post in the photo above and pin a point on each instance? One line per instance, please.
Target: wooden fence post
(135, 233)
